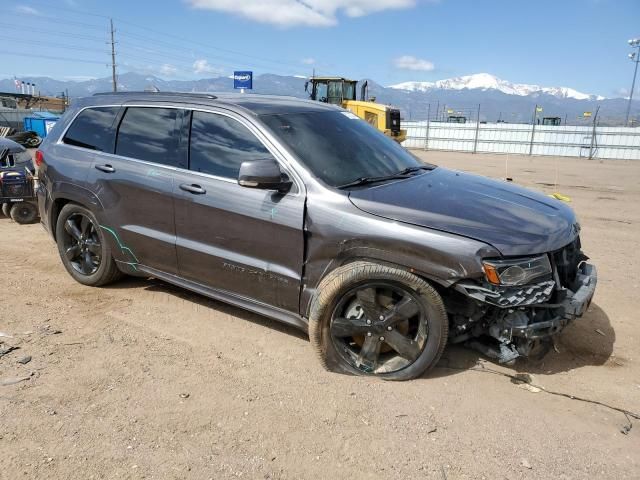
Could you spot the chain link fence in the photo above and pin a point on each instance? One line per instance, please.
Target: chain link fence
(533, 139)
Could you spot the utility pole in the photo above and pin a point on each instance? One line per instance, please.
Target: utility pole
(634, 57)
(113, 58)
(475, 142)
(593, 134)
(533, 129)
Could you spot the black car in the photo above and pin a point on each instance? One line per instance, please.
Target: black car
(302, 212)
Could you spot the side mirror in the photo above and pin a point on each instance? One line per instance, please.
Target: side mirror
(264, 174)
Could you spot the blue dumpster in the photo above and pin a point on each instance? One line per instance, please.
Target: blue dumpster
(40, 122)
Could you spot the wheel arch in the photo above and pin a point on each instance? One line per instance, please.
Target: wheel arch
(309, 292)
(69, 193)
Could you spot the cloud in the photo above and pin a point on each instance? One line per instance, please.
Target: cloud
(311, 13)
(408, 62)
(168, 70)
(622, 92)
(202, 66)
(308, 61)
(26, 10)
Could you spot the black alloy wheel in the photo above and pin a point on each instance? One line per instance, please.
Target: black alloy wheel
(377, 320)
(379, 327)
(81, 244)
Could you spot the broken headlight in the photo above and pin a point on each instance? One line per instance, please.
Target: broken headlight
(519, 271)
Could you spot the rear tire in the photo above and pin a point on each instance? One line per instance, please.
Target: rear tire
(408, 342)
(24, 213)
(83, 248)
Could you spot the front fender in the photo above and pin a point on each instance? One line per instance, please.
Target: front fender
(334, 239)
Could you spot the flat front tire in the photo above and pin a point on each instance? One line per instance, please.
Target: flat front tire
(376, 320)
(82, 247)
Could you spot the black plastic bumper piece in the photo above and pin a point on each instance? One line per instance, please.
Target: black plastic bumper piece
(573, 306)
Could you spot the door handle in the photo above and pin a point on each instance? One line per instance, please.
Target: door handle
(105, 168)
(193, 188)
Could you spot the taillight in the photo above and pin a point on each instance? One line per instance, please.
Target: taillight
(39, 158)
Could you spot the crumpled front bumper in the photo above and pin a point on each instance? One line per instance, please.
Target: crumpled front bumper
(573, 306)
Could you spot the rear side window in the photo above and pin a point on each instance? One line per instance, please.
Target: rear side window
(150, 134)
(220, 144)
(92, 129)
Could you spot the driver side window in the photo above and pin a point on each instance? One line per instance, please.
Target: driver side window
(219, 144)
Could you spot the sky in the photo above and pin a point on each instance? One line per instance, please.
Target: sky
(580, 44)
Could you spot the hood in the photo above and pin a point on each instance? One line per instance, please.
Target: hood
(515, 220)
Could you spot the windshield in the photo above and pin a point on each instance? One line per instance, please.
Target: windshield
(338, 147)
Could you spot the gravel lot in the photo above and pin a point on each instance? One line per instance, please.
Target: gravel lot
(144, 380)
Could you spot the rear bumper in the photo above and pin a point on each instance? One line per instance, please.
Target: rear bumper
(43, 200)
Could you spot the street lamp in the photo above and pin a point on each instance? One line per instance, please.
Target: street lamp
(635, 58)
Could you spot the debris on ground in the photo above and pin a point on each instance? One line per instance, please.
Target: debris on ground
(2, 334)
(13, 380)
(525, 463)
(531, 388)
(24, 360)
(5, 350)
(48, 330)
(559, 196)
(524, 381)
(184, 395)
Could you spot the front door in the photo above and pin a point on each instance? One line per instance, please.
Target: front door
(243, 241)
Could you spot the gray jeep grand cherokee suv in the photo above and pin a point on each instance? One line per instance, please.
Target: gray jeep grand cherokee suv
(302, 212)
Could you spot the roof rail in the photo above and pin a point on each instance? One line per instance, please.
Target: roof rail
(177, 94)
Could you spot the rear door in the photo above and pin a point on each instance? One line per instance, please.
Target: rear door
(135, 185)
(244, 241)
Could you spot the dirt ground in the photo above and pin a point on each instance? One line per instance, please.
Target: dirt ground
(144, 380)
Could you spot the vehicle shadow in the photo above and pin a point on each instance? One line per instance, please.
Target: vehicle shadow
(156, 285)
(587, 341)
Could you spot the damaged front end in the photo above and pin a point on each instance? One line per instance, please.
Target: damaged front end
(521, 303)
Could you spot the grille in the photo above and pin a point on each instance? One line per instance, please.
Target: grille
(567, 260)
(394, 124)
(15, 186)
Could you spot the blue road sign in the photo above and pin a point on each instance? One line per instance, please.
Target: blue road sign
(243, 80)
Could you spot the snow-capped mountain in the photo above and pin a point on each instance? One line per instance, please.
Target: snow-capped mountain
(486, 81)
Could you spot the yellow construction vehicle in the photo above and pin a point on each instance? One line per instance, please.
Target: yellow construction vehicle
(342, 92)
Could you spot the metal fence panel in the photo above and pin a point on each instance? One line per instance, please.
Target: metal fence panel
(566, 141)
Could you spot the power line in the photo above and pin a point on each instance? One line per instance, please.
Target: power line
(53, 33)
(207, 47)
(48, 18)
(49, 57)
(218, 57)
(58, 45)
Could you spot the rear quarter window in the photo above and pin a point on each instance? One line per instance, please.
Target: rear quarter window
(93, 129)
(150, 134)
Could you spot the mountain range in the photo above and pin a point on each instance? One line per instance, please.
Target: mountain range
(498, 99)
(486, 81)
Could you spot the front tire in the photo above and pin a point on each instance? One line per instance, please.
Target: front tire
(83, 248)
(371, 319)
(6, 209)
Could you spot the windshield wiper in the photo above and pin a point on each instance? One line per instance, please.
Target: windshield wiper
(415, 169)
(405, 173)
(367, 180)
